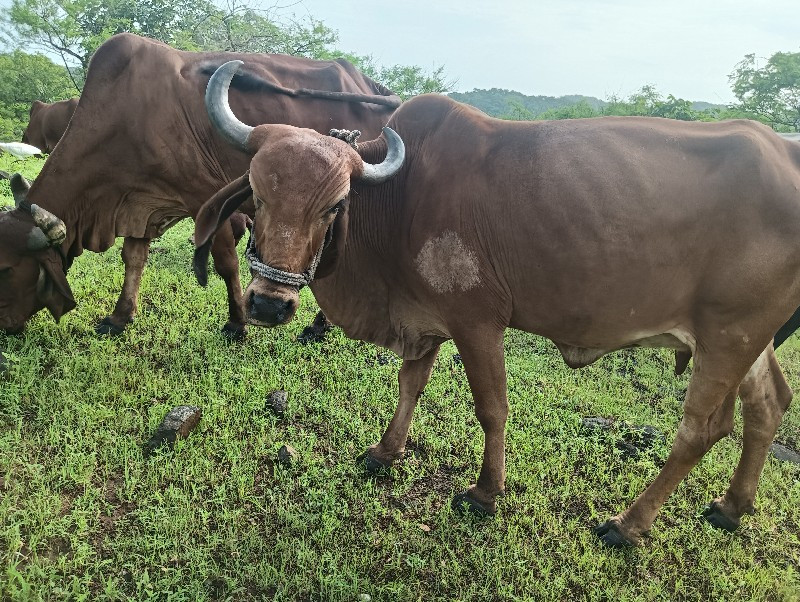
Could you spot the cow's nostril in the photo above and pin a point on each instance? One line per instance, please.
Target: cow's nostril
(269, 310)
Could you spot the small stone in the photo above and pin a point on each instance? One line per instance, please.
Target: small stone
(597, 423)
(787, 454)
(287, 455)
(177, 424)
(457, 359)
(278, 401)
(424, 527)
(385, 358)
(637, 439)
(364, 598)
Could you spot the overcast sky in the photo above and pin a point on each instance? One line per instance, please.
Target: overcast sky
(557, 47)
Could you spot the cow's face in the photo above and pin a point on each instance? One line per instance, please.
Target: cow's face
(300, 180)
(31, 270)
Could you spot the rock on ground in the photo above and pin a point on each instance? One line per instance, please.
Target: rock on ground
(177, 424)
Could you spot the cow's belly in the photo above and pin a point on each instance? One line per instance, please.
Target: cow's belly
(578, 357)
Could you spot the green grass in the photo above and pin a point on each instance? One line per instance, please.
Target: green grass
(84, 516)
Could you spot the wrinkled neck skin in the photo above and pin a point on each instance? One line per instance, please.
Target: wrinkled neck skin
(369, 265)
(101, 197)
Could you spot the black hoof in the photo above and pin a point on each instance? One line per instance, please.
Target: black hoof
(234, 332)
(463, 503)
(611, 537)
(713, 514)
(312, 334)
(372, 465)
(108, 328)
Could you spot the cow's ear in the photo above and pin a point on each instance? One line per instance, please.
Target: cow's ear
(53, 289)
(215, 212)
(338, 241)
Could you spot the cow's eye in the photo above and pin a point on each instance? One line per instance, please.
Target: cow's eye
(335, 209)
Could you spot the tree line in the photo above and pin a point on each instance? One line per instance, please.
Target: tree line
(71, 30)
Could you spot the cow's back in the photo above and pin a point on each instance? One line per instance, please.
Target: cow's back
(610, 220)
(140, 152)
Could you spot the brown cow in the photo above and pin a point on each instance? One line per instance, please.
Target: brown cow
(48, 122)
(598, 234)
(140, 154)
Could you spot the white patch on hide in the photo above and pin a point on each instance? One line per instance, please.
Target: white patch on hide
(274, 178)
(447, 264)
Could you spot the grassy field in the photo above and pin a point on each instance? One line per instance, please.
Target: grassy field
(85, 516)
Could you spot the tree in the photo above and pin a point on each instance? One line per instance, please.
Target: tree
(771, 91)
(73, 29)
(23, 79)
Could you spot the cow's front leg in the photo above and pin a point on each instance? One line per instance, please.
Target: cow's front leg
(226, 264)
(484, 363)
(134, 256)
(414, 375)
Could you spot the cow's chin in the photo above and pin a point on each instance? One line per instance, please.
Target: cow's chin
(268, 304)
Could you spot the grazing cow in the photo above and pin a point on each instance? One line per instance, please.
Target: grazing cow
(599, 234)
(48, 122)
(140, 154)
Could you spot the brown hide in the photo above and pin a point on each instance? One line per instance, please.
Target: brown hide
(48, 122)
(599, 234)
(140, 153)
(595, 233)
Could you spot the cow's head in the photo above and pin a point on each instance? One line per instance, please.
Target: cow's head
(34, 134)
(31, 267)
(299, 181)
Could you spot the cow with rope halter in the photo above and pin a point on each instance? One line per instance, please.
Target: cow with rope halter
(599, 234)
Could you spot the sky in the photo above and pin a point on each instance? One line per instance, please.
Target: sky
(596, 48)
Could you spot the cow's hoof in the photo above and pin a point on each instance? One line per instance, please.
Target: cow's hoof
(464, 503)
(611, 536)
(235, 333)
(372, 465)
(312, 334)
(107, 328)
(718, 519)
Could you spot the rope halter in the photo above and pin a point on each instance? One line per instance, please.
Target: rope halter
(292, 279)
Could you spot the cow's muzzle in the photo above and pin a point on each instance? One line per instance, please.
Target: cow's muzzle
(265, 310)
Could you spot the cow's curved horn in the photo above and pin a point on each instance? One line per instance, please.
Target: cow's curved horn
(54, 229)
(19, 188)
(219, 110)
(395, 154)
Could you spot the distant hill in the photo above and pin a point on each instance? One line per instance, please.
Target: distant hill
(498, 102)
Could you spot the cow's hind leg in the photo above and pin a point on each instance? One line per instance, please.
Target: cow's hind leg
(414, 375)
(765, 397)
(708, 416)
(226, 264)
(134, 256)
(484, 363)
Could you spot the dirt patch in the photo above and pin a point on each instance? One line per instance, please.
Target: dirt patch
(119, 507)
